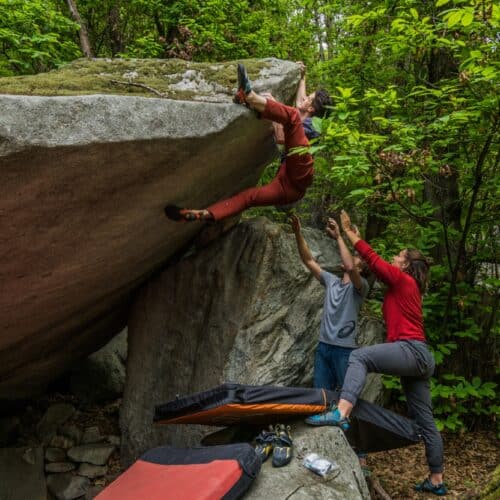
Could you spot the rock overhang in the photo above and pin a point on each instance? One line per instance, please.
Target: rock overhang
(84, 180)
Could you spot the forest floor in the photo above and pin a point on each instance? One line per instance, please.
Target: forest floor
(470, 460)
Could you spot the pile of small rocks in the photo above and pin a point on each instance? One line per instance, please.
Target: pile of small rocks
(64, 459)
(66, 444)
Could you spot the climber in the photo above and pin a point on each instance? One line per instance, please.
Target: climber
(339, 321)
(295, 174)
(405, 353)
(343, 299)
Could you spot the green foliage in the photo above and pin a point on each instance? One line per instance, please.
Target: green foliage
(34, 36)
(458, 401)
(412, 143)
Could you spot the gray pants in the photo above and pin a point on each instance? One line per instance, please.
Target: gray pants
(414, 363)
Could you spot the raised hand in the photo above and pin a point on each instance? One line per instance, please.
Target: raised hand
(295, 223)
(332, 228)
(345, 221)
(302, 67)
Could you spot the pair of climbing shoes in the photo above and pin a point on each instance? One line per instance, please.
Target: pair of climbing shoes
(277, 442)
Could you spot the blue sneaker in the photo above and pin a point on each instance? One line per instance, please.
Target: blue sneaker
(426, 486)
(331, 417)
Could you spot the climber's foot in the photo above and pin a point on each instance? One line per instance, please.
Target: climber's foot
(176, 213)
(244, 86)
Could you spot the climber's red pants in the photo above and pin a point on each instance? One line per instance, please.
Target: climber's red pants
(294, 176)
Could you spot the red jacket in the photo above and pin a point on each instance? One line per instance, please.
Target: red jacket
(402, 306)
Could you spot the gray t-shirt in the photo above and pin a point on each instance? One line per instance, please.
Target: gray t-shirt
(339, 324)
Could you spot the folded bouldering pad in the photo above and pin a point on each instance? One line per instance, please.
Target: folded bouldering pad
(235, 404)
(206, 473)
(373, 428)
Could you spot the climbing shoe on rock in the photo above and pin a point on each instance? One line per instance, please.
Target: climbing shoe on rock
(173, 212)
(265, 443)
(282, 452)
(244, 86)
(331, 417)
(426, 486)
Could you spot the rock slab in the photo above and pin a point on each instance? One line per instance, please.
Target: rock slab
(296, 482)
(83, 183)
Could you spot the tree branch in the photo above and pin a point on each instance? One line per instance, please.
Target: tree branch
(142, 85)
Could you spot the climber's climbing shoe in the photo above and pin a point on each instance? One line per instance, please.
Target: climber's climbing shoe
(265, 443)
(176, 213)
(331, 417)
(282, 452)
(244, 86)
(426, 486)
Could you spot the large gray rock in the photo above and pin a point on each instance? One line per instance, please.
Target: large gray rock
(21, 474)
(244, 309)
(295, 482)
(101, 376)
(83, 183)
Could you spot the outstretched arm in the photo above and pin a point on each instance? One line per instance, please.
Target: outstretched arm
(383, 270)
(333, 230)
(301, 90)
(305, 253)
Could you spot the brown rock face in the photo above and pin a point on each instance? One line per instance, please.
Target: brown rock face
(83, 183)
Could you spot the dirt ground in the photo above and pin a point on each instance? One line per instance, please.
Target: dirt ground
(470, 460)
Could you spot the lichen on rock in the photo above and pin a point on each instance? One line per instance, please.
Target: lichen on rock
(174, 78)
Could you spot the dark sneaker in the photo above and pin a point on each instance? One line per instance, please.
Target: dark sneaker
(265, 443)
(244, 85)
(426, 486)
(282, 452)
(331, 417)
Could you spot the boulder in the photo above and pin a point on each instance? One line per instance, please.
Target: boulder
(83, 183)
(21, 474)
(244, 309)
(101, 376)
(296, 482)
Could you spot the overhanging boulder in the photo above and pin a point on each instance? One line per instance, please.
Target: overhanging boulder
(83, 182)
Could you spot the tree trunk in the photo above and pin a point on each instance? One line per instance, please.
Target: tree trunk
(84, 36)
(115, 29)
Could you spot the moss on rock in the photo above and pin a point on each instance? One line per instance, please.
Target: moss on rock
(171, 77)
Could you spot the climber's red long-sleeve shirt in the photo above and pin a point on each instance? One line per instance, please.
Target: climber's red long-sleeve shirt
(402, 306)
